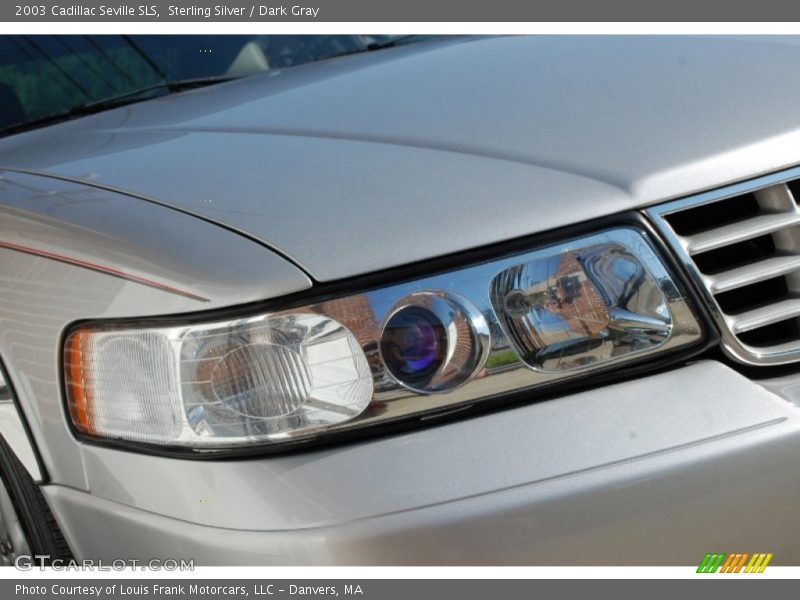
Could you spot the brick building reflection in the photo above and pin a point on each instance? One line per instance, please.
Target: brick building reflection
(355, 313)
(575, 298)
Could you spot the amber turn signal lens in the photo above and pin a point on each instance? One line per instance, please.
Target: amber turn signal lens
(78, 392)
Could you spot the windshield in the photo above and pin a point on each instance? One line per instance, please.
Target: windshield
(42, 77)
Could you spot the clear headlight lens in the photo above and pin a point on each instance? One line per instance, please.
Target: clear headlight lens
(431, 344)
(238, 381)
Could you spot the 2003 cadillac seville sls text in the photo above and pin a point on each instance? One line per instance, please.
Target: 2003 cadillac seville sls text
(400, 300)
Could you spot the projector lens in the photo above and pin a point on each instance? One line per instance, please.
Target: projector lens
(413, 344)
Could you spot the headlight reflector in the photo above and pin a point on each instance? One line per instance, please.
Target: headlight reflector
(585, 305)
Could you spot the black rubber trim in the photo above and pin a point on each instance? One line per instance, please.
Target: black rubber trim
(43, 534)
(442, 265)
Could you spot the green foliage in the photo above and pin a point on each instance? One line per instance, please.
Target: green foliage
(501, 359)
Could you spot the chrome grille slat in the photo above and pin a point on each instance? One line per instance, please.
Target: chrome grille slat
(777, 354)
(720, 237)
(765, 315)
(752, 273)
(776, 197)
(741, 245)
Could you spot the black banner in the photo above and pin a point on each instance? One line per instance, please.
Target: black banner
(732, 588)
(405, 11)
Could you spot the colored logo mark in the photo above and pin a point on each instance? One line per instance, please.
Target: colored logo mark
(734, 563)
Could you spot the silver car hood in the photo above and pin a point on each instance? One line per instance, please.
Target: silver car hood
(367, 162)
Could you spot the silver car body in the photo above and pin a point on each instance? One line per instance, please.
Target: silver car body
(266, 186)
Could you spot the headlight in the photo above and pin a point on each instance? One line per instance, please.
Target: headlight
(590, 304)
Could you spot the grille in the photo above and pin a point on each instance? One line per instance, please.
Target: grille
(742, 246)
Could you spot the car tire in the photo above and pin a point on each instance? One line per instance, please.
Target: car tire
(39, 527)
